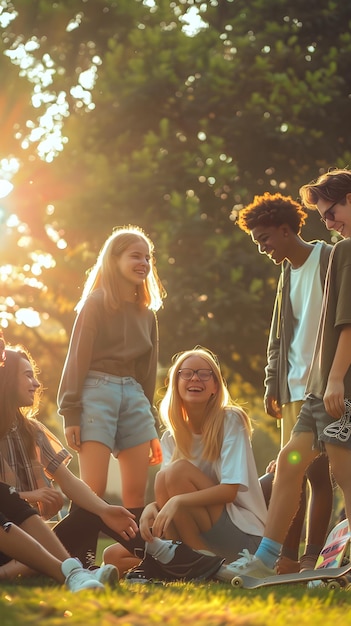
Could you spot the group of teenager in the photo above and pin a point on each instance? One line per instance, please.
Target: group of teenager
(212, 516)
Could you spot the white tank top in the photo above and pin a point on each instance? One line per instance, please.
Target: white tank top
(306, 295)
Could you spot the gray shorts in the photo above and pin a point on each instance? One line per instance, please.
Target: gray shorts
(116, 412)
(227, 540)
(314, 418)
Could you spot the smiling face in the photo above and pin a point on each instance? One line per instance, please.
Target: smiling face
(27, 383)
(195, 390)
(337, 216)
(272, 241)
(134, 262)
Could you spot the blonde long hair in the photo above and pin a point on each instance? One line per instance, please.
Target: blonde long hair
(103, 273)
(175, 418)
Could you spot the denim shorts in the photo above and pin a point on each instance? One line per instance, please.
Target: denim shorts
(227, 540)
(290, 411)
(314, 418)
(115, 412)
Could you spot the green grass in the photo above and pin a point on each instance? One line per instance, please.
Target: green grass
(39, 601)
(207, 604)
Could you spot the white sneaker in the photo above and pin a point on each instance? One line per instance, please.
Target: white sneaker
(78, 578)
(312, 584)
(248, 564)
(106, 574)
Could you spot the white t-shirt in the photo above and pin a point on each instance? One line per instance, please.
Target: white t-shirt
(306, 296)
(235, 466)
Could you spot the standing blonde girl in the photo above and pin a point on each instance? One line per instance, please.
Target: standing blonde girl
(107, 385)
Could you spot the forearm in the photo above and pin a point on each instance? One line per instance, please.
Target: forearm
(79, 492)
(218, 494)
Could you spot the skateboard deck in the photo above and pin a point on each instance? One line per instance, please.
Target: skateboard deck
(334, 577)
(336, 546)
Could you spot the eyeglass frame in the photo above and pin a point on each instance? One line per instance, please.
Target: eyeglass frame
(329, 211)
(201, 369)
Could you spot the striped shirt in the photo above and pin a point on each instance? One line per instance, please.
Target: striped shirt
(23, 473)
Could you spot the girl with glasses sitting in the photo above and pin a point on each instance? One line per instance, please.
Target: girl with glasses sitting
(207, 492)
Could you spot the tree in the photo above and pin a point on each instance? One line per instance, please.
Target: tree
(179, 132)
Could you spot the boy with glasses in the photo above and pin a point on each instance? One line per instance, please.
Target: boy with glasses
(325, 418)
(274, 223)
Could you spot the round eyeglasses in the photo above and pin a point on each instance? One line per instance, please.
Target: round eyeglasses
(329, 214)
(187, 374)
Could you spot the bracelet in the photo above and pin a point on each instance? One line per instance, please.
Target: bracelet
(7, 526)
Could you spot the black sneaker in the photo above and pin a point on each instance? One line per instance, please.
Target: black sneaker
(187, 564)
(148, 571)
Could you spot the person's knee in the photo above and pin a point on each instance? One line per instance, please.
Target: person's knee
(340, 464)
(178, 468)
(290, 464)
(160, 480)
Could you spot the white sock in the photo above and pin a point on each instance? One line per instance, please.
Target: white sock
(162, 549)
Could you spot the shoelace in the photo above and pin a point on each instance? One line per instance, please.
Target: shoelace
(341, 429)
(77, 576)
(245, 559)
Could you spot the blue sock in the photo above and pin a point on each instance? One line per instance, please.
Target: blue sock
(268, 551)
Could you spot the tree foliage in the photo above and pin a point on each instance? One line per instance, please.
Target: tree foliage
(176, 133)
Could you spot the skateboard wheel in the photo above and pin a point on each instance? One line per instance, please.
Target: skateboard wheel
(237, 582)
(333, 584)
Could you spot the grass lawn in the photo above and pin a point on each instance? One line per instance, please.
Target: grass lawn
(207, 604)
(39, 601)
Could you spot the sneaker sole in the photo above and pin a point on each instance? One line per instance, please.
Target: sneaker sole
(210, 571)
(145, 581)
(111, 579)
(200, 568)
(226, 576)
(95, 587)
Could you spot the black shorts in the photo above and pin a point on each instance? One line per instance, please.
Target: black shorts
(13, 509)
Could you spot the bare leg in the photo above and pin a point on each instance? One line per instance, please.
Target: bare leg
(134, 467)
(94, 459)
(293, 461)
(188, 523)
(288, 559)
(21, 545)
(162, 496)
(319, 509)
(120, 557)
(40, 531)
(340, 463)
(288, 562)
(319, 512)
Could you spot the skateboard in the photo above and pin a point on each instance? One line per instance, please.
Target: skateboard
(336, 546)
(330, 567)
(333, 577)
